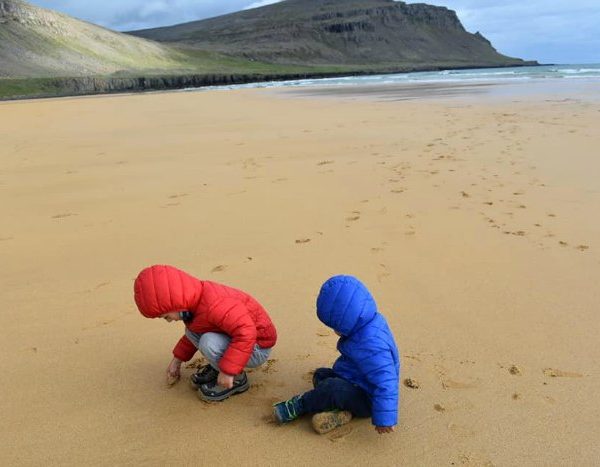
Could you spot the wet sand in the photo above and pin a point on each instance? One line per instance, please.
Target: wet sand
(587, 89)
(474, 224)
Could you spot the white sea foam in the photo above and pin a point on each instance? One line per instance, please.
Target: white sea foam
(486, 75)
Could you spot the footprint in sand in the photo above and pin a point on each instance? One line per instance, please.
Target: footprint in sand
(340, 433)
(582, 247)
(555, 373)
(303, 356)
(249, 164)
(463, 432)
(267, 368)
(448, 383)
(464, 194)
(515, 370)
(269, 419)
(518, 233)
(439, 408)
(472, 460)
(324, 162)
(219, 268)
(63, 215)
(178, 195)
(302, 240)
(383, 274)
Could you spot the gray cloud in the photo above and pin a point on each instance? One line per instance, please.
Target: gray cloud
(546, 30)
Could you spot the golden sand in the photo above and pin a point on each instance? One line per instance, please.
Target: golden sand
(475, 224)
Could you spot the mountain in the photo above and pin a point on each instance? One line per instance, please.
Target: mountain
(38, 42)
(342, 32)
(45, 53)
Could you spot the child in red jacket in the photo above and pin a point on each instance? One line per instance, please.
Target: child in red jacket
(229, 327)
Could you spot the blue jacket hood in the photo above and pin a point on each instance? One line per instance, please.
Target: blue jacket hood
(345, 304)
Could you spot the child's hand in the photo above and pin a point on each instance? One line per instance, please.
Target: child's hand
(173, 371)
(225, 380)
(384, 429)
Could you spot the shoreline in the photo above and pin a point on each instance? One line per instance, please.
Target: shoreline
(88, 86)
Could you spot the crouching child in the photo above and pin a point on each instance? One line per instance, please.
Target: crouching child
(229, 327)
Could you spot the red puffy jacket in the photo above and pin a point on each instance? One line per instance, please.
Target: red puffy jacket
(215, 308)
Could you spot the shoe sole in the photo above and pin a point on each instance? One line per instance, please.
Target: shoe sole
(325, 422)
(237, 390)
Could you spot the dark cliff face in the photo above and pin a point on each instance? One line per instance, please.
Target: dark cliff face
(357, 32)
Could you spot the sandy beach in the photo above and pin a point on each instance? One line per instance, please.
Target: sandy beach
(473, 221)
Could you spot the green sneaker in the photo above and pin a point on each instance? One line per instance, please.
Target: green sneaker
(288, 411)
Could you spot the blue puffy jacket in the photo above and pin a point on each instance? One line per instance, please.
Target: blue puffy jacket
(369, 356)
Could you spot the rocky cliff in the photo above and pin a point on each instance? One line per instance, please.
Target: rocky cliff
(349, 32)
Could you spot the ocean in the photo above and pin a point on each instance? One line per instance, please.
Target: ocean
(549, 79)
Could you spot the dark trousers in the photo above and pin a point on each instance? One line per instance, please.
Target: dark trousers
(332, 392)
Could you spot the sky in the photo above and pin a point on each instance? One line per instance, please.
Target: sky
(550, 31)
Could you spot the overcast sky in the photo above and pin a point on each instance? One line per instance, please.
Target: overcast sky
(550, 31)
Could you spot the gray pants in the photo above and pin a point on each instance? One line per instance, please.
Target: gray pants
(213, 345)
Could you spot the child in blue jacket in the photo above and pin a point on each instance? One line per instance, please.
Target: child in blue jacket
(364, 379)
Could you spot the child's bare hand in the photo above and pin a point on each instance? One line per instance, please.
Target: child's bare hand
(225, 380)
(384, 429)
(171, 380)
(173, 371)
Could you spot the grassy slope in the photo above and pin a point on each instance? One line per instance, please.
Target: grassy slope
(36, 42)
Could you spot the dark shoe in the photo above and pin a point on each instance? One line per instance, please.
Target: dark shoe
(212, 392)
(324, 422)
(204, 375)
(288, 411)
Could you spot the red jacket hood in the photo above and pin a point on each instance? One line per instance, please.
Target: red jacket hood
(162, 289)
